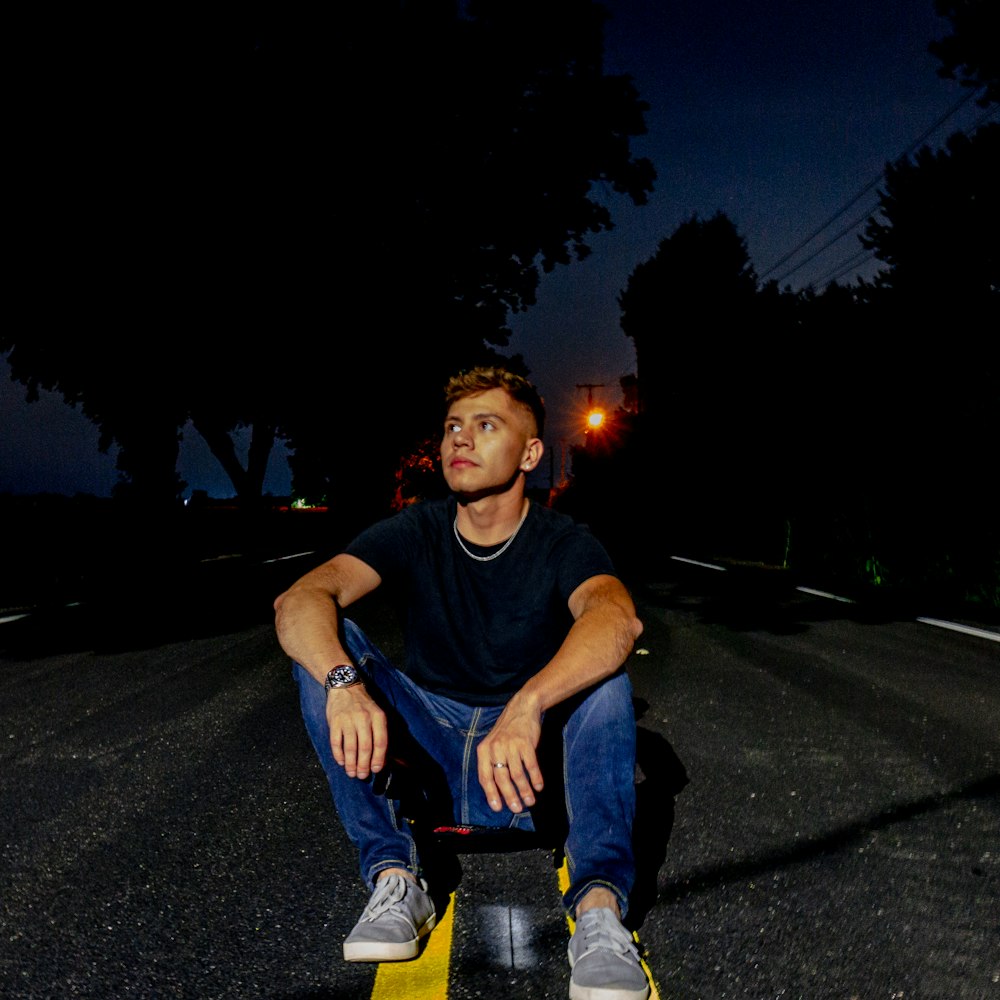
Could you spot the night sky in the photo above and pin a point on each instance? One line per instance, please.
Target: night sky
(777, 114)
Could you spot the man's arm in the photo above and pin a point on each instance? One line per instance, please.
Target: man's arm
(307, 620)
(603, 633)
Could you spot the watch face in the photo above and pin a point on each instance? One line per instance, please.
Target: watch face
(342, 675)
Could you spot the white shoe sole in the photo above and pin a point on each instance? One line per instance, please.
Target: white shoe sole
(605, 993)
(387, 951)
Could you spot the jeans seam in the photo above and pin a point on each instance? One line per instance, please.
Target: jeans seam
(566, 781)
(470, 739)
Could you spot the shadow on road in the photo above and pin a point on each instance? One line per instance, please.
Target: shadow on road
(706, 879)
(660, 779)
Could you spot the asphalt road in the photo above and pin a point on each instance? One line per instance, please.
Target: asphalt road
(819, 809)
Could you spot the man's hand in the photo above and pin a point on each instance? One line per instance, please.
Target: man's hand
(513, 742)
(358, 732)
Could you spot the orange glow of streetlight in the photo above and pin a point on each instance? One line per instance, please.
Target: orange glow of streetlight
(595, 419)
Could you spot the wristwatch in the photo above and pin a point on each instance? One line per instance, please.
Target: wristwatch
(341, 676)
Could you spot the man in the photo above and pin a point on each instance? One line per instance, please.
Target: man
(516, 624)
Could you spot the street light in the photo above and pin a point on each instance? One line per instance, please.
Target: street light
(595, 419)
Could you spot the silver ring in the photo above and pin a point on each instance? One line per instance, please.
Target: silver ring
(499, 763)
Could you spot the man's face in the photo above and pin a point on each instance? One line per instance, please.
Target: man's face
(488, 439)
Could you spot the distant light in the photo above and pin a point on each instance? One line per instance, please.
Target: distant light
(595, 419)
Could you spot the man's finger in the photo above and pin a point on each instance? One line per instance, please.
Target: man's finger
(364, 753)
(350, 753)
(507, 789)
(493, 798)
(380, 742)
(534, 772)
(488, 778)
(524, 788)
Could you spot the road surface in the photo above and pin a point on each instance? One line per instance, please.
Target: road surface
(819, 808)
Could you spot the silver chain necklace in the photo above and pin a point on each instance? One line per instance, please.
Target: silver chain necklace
(500, 551)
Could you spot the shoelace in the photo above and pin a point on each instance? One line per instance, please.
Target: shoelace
(603, 931)
(390, 891)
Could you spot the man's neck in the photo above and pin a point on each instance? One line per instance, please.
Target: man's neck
(492, 519)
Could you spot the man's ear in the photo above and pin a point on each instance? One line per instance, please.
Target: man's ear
(533, 451)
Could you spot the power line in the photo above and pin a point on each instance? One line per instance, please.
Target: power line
(846, 231)
(854, 264)
(838, 271)
(969, 95)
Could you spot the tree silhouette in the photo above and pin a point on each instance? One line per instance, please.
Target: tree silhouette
(118, 386)
(971, 53)
(689, 309)
(941, 231)
(684, 303)
(939, 235)
(712, 354)
(141, 400)
(298, 214)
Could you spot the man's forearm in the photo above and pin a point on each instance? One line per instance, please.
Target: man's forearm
(598, 643)
(604, 630)
(601, 638)
(307, 615)
(307, 623)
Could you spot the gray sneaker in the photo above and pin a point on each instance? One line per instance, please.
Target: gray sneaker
(604, 960)
(397, 916)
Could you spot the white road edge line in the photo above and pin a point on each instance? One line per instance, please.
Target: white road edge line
(823, 593)
(694, 562)
(967, 629)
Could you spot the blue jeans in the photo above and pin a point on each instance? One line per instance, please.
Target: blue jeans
(594, 730)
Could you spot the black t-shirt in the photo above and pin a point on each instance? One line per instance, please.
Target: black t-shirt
(476, 631)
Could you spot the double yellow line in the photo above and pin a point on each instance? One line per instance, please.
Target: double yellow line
(426, 978)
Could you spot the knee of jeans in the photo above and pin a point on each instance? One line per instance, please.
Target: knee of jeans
(611, 696)
(607, 706)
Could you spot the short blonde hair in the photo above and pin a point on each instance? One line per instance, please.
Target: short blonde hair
(476, 380)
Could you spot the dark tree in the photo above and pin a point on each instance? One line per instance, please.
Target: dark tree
(971, 54)
(315, 210)
(938, 311)
(473, 140)
(939, 231)
(712, 358)
(128, 394)
(141, 397)
(687, 309)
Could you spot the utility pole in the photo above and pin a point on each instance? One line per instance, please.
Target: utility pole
(590, 387)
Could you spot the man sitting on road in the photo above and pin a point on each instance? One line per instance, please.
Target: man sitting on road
(516, 624)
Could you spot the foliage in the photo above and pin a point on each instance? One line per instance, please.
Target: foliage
(141, 399)
(128, 395)
(971, 53)
(682, 303)
(843, 433)
(418, 476)
(304, 224)
(941, 220)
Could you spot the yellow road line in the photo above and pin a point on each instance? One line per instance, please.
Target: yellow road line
(426, 977)
(563, 887)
